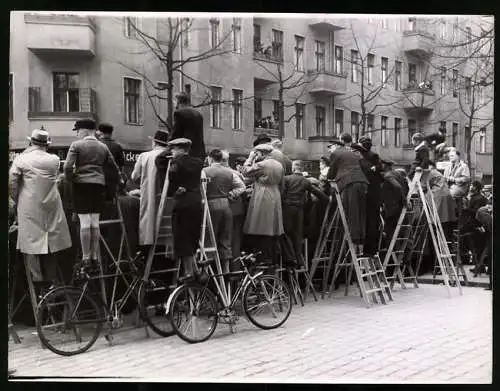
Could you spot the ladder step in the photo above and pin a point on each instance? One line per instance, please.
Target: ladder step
(107, 222)
(374, 290)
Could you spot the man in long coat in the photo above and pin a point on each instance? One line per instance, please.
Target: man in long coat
(264, 220)
(457, 175)
(42, 225)
(188, 123)
(150, 190)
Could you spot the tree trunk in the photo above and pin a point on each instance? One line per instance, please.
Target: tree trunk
(281, 132)
(170, 97)
(468, 146)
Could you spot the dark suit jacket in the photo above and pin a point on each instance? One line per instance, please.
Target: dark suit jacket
(295, 188)
(345, 168)
(393, 194)
(115, 149)
(188, 123)
(421, 159)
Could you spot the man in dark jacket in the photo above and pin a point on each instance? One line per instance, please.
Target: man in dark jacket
(372, 168)
(295, 189)
(422, 156)
(106, 130)
(184, 187)
(352, 184)
(188, 123)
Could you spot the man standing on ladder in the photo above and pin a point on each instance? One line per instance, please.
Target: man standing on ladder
(150, 187)
(345, 170)
(184, 186)
(223, 186)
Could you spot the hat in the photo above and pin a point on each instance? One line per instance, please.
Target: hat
(336, 141)
(261, 139)
(418, 136)
(84, 124)
(359, 147)
(365, 140)
(388, 162)
(160, 137)
(39, 137)
(106, 128)
(180, 142)
(264, 148)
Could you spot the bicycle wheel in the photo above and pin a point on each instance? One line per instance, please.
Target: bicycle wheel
(68, 321)
(153, 297)
(193, 313)
(267, 302)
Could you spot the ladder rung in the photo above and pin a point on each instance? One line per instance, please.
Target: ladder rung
(106, 222)
(374, 290)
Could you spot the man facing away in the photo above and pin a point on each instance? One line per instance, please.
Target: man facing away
(280, 156)
(42, 225)
(145, 172)
(105, 132)
(188, 123)
(223, 186)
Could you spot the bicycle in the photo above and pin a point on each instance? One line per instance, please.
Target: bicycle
(202, 309)
(70, 318)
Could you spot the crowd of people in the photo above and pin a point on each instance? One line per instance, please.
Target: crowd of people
(264, 202)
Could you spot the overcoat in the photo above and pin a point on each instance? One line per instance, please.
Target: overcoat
(145, 170)
(445, 204)
(264, 215)
(461, 175)
(42, 225)
(188, 123)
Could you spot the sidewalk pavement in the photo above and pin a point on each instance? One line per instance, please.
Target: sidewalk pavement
(423, 336)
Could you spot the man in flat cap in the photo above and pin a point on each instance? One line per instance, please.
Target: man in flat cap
(187, 213)
(84, 168)
(188, 123)
(345, 170)
(105, 131)
(145, 173)
(41, 222)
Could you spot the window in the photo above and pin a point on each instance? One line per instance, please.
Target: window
(442, 126)
(482, 140)
(443, 81)
(412, 24)
(412, 129)
(468, 89)
(11, 97)
(320, 56)
(320, 120)
(412, 73)
(187, 90)
(339, 60)
(132, 96)
(370, 60)
(277, 44)
(257, 46)
(215, 112)
(299, 120)
(354, 124)
(383, 131)
(237, 35)
(237, 108)
(384, 65)
(369, 124)
(257, 108)
(299, 53)
(454, 134)
(454, 82)
(339, 122)
(442, 30)
(131, 25)
(162, 97)
(185, 32)
(397, 132)
(397, 79)
(214, 33)
(354, 66)
(66, 92)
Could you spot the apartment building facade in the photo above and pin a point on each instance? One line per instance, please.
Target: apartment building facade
(65, 67)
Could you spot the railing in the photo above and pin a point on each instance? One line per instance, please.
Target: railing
(59, 19)
(40, 102)
(422, 32)
(268, 131)
(312, 72)
(258, 54)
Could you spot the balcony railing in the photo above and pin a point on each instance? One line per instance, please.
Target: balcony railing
(271, 132)
(79, 102)
(265, 54)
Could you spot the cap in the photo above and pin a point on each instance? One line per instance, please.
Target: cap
(336, 141)
(261, 139)
(264, 148)
(365, 140)
(106, 128)
(39, 137)
(85, 124)
(180, 142)
(161, 137)
(359, 147)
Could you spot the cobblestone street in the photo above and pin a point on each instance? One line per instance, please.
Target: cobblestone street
(423, 336)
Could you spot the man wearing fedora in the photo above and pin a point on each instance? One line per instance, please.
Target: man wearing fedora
(184, 186)
(42, 225)
(188, 123)
(84, 168)
(145, 172)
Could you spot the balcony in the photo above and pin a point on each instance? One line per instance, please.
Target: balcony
(267, 131)
(60, 35)
(418, 100)
(418, 43)
(78, 103)
(327, 24)
(327, 83)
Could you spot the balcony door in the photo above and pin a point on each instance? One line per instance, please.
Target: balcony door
(66, 92)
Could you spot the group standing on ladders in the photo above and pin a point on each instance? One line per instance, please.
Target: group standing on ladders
(264, 203)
